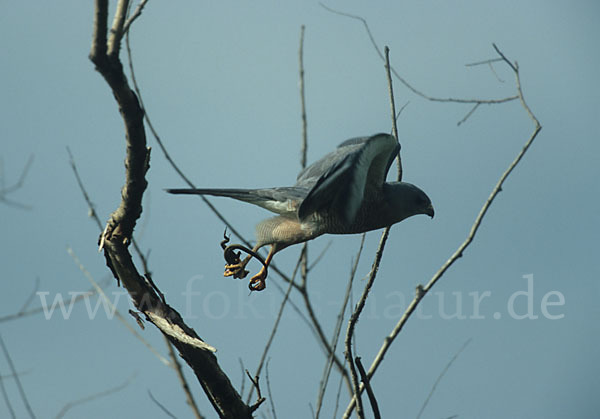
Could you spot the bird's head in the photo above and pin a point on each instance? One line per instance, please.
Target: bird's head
(407, 200)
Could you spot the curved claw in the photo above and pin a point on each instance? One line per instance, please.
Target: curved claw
(257, 283)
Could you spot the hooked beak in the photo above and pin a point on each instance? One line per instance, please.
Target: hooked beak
(429, 211)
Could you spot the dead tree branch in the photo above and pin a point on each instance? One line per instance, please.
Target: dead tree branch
(118, 232)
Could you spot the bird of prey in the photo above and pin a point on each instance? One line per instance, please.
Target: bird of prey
(345, 192)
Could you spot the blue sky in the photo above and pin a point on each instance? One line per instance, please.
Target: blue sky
(220, 82)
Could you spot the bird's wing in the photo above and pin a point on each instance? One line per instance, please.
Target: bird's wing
(338, 180)
(282, 201)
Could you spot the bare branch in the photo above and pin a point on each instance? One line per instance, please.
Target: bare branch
(94, 396)
(117, 235)
(27, 303)
(98, 51)
(468, 115)
(275, 327)
(322, 339)
(393, 110)
(320, 256)
(406, 83)
(19, 183)
(493, 60)
(94, 215)
(91, 207)
(6, 190)
(259, 398)
(271, 402)
(304, 148)
(304, 145)
(241, 361)
(421, 291)
(17, 379)
(136, 13)
(116, 32)
(338, 328)
(161, 406)
(370, 393)
(6, 398)
(356, 314)
(444, 371)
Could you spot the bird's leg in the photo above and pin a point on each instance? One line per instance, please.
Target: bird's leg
(257, 282)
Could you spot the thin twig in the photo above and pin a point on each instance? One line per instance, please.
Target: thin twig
(337, 398)
(189, 398)
(338, 328)
(136, 13)
(94, 215)
(320, 256)
(274, 328)
(421, 291)
(322, 338)
(91, 207)
(161, 406)
(439, 378)
(114, 309)
(6, 398)
(356, 314)
(17, 379)
(94, 396)
(367, 383)
(401, 110)
(404, 81)
(468, 115)
(27, 303)
(259, 398)
(393, 110)
(4, 191)
(243, 384)
(304, 148)
(271, 399)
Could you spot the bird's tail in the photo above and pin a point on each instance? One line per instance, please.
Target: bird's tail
(278, 200)
(241, 194)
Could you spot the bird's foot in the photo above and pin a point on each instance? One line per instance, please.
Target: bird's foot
(236, 269)
(257, 282)
(236, 266)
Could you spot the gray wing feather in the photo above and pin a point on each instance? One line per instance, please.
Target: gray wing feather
(344, 174)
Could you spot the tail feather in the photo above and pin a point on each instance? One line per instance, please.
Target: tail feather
(242, 194)
(252, 196)
(277, 200)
